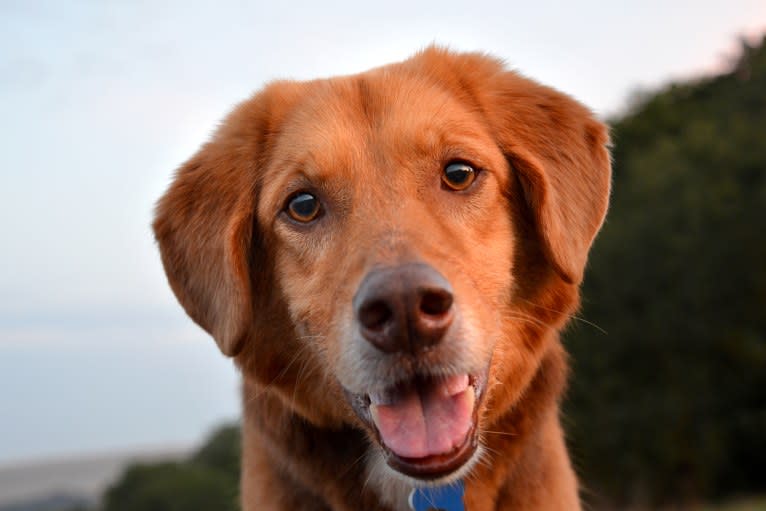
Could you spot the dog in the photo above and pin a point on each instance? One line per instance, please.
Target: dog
(389, 258)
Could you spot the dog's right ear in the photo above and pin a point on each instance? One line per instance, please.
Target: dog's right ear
(205, 221)
(558, 150)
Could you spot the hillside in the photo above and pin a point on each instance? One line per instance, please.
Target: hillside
(53, 485)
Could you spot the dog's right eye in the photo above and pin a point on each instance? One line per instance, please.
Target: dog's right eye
(303, 207)
(458, 176)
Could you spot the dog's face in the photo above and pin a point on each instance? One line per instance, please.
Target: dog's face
(391, 250)
(389, 229)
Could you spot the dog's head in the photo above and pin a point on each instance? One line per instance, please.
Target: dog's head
(392, 250)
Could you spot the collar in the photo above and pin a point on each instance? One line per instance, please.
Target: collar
(438, 498)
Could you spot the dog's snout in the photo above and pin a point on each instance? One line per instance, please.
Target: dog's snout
(404, 308)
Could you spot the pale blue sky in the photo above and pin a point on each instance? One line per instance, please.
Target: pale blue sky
(101, 100)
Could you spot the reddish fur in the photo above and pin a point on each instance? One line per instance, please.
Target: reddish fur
(279, 299)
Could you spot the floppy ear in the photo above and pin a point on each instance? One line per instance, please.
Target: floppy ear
(553, 142)
(560, 153)
(204, 223)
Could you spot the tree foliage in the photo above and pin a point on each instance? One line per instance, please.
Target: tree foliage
(222, 451)
(670, 403)
(209, 480)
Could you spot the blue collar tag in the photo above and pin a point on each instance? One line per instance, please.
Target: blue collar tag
(441, 498)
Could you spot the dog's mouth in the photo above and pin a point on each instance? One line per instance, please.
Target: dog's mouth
(427, 426)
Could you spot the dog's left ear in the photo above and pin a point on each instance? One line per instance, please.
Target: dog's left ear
(559, 151)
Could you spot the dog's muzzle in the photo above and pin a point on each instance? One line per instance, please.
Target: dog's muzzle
(426, 424)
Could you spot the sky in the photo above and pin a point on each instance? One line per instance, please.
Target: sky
(101, 100)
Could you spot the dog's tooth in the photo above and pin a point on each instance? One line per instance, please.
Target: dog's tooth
(374, 413)
(455, 385)
(471, 396)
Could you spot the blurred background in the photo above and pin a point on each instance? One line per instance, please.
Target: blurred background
(111, 399)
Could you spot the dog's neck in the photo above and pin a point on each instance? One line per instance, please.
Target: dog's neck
(290, 463)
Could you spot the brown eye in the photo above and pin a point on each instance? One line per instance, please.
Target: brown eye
(303, 207)
(458, 175)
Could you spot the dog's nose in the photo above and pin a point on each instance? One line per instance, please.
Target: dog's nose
(404, 308)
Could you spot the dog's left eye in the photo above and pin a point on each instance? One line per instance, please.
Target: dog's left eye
(458, 175)
(303, 207)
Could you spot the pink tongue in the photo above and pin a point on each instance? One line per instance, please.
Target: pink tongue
(430, 421)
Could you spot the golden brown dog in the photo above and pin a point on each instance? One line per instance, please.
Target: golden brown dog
(389, 258)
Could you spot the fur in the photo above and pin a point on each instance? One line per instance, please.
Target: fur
(276, 296)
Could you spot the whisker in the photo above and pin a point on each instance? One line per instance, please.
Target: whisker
(590, 323)
(305, 337)
(366, 481)
(499, 432)
(529, 319)
(348, 469)
(284, 370)
(301, 373)
(491, 450)
(573, 316)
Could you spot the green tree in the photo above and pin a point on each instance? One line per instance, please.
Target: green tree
(209, 480)
(670, 404)
(222, 451)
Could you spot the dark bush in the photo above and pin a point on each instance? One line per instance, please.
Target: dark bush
(670, 403)
(209, 480)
